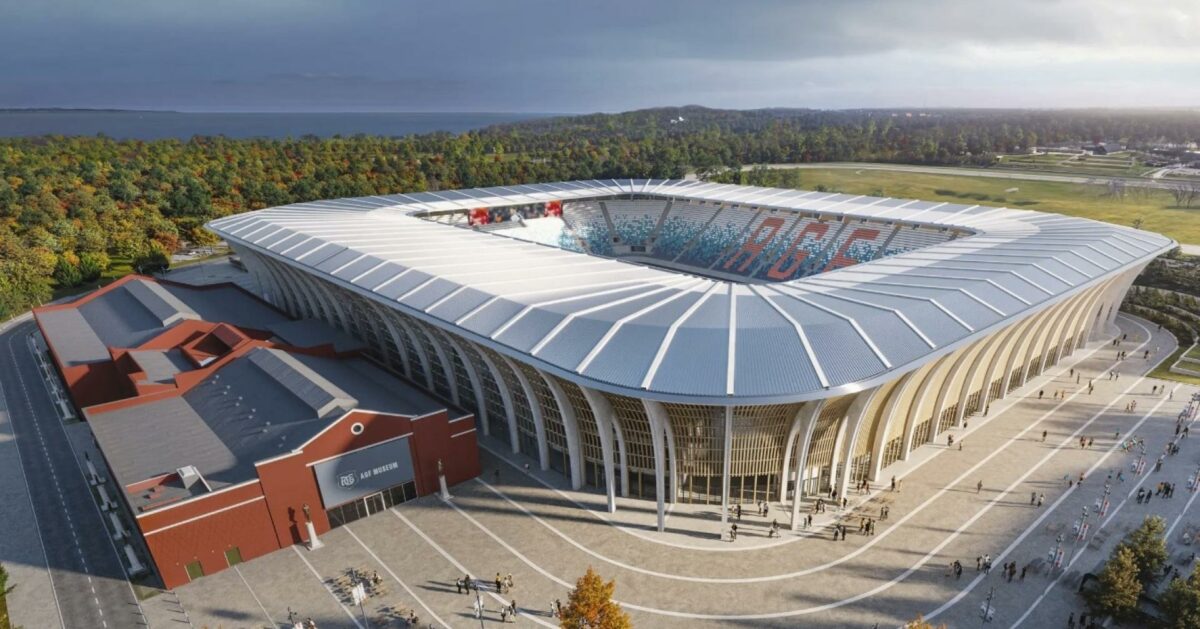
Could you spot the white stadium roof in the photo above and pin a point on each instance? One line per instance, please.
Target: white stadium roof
(650, 332)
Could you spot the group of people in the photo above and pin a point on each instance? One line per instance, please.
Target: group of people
(764, 510)
(503, 584)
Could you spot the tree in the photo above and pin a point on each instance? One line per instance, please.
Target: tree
(4, 590)
(1180, 603)
(1185, 193)
(590, 605)
(1117, 590)
(1149, 548)
(152, 261)
(66, 271)
(920, 623)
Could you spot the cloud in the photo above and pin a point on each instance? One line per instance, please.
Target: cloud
(548, 55)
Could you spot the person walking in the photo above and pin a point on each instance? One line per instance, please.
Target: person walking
(1032, 497)
(1044, 433)
(979, 487)
(1041, 499)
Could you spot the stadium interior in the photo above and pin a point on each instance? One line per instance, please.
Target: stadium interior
(725, 242)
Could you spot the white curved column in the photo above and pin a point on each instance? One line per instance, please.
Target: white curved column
(917, 408)
(506, 399)
(603, 412)
(476, 383)
(622, 455)
(889, 415)
(657, 416)
(570, 429)
(535, 411)
(390, 326)
(983, 358)
(808, 415)
(418, 347)
(447, 367)
(851, 428)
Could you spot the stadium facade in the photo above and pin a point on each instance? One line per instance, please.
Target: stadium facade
(698, 342)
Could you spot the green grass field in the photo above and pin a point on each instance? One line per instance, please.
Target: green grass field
(1154, 207)
(1163, 370)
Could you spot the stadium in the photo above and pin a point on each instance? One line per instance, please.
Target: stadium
(683, 341)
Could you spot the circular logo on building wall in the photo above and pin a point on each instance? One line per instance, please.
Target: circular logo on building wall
(348, 479)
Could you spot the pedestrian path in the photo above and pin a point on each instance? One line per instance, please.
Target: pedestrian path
(531, 525)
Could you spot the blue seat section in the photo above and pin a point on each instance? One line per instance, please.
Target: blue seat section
(634, 230)
(675, 234)
(724, 233)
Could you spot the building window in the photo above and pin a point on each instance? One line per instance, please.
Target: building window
(370, 505)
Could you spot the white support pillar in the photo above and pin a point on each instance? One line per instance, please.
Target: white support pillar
(855, 418)
(656, 415)
(535, 411)
(672, 471)
(506, 399)
(476, 384)
(570, 429)
(727, 465)
(889, 415)
(602, 411)
(622, 455)
(808, 416)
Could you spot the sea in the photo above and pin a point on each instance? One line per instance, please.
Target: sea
(154, 125)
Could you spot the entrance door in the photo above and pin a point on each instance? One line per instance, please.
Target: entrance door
(374, 503)
(194, 570)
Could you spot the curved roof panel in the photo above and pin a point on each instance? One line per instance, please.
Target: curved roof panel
(653, 332)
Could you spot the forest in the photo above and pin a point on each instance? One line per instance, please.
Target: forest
(71, 206)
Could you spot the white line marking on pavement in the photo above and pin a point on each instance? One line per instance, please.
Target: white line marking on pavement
(396, 577)
(1145, 477)
(463, 569)
(881, 587)
(251, 590)
(858, 551)
(79, 467)
(979, 424)
(1033, 526)
(29, 492)
(353, 618)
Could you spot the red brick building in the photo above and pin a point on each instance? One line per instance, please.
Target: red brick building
(228, 427)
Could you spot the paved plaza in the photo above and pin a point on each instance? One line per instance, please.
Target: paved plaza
(529, 524)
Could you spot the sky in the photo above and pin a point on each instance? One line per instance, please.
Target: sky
(568, 56)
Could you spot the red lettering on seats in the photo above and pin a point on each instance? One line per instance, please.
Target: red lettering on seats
(795, 254)
(840, 260)
(753, 245)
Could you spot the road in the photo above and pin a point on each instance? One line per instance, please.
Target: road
(88, 579)
(994, 173)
